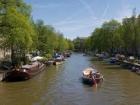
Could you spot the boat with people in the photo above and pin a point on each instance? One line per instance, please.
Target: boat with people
(91, 76)
(25, 72)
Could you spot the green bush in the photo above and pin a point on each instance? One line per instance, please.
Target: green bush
(48, 56)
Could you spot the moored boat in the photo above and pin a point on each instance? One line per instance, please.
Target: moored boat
(50, 62)
(57, 62)
(25, 72)
(67, 54)
(91, 76)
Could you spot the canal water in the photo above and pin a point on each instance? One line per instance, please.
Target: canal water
(61, 85)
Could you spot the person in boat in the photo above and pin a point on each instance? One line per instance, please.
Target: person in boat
(92, 76)
(97, 74)
(16, 68)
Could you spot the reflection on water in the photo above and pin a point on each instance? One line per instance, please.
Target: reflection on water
(60, 85)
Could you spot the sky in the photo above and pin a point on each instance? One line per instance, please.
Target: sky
(80, 17)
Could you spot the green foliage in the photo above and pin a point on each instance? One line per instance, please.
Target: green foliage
(49, 40)
(130, 35)
(79, 44)
(20, 34)
(48, 56)
(16, 29)
(115, 37)
(70, 44)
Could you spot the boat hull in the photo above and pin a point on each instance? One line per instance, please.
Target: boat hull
(57, 63)
(16, 76)
(90, 81)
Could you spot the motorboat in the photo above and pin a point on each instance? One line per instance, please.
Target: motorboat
(91, 76)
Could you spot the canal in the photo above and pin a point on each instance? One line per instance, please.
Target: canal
(61, 85)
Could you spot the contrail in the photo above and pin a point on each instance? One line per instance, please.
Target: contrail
(68, 18)
(105, 11)
(88, 7)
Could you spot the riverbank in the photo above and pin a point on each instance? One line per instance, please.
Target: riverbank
(35, 65)
(129, 63)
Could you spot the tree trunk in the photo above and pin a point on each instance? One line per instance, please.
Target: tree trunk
(12, 56)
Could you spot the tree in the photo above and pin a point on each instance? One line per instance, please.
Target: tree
(49, 41)
(79, 44)
(130, 35)
(106, 38)
(16, 29)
